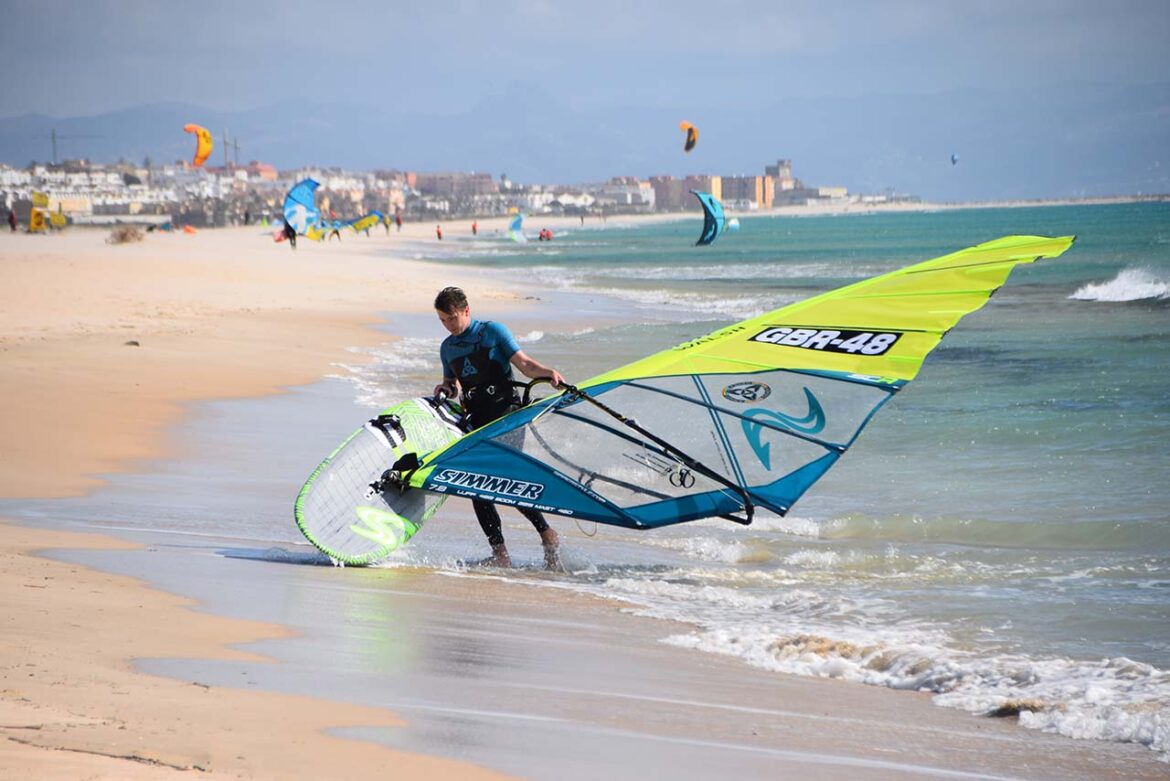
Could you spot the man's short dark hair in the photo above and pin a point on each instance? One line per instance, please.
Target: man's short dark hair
(450, 300)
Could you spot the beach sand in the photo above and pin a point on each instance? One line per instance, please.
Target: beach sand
(106, 676)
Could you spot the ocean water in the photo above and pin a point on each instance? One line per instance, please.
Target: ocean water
(1000, 533)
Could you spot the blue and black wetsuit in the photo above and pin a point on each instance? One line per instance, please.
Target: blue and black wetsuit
(480, 358)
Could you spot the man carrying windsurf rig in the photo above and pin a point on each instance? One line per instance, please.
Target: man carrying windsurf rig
(477, 359)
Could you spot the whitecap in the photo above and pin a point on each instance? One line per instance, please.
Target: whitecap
(1128, 285)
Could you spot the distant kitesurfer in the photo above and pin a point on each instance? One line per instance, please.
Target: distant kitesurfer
(477, 361)
(290, 233)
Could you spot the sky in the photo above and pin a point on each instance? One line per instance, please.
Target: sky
(68, 59)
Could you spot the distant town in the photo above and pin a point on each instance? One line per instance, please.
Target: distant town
(83, 193)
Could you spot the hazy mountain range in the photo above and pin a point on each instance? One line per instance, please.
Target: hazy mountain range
(1073, 141)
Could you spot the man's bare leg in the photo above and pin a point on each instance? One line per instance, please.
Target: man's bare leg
(500, 556)
(551, 543)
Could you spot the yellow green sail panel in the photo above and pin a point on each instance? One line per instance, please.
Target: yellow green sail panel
(747, 417)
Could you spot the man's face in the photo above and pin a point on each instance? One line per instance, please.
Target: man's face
(455, 322)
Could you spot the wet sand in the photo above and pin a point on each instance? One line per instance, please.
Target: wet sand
(271, 665)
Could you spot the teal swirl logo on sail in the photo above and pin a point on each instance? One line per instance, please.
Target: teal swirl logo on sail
(811, 423)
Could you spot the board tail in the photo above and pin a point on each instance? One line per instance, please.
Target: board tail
(346, 508)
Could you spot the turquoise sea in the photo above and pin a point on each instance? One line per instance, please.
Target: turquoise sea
(999, 535)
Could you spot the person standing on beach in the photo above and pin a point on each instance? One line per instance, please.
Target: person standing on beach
(12, 219)
(398, 221)
(439, 232)
(290, 233)
(474, 228)
(477, 360)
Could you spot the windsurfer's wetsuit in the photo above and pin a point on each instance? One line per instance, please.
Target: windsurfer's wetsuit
(480, 359)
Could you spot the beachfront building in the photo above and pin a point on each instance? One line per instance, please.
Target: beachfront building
(781, 176)
(669, 194)
(572, 202)
(624, 194)
(455, 185)
(747, 192)
(263, 171)
(452, 194)
(536, 200)
(672, 194)
(704, 184)
(87, 194)
(14, 178)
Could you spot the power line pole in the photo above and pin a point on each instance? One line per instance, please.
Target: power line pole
(53, 136)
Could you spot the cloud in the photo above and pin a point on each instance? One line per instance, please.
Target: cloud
(107, 54)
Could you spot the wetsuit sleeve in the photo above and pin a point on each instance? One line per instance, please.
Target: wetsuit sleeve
(445, 360)
(505, 344)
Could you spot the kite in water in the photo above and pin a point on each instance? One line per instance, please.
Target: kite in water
(713, 219)
(692, 135)
(748, 417)
(202, 143)
(515, 231)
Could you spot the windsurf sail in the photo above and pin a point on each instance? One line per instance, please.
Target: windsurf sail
(515, 229)
(713, 219)
(300, 206)
(747, 417)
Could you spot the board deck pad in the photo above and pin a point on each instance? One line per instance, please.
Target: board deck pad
(343, 511)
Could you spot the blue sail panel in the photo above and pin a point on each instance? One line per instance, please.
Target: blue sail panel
(300, 206)
(758, 439)
(501, 474)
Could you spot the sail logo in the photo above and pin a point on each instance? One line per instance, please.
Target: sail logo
(504, 486)
(383, 527)
(745, 392)
(756, 420)
(828, 340)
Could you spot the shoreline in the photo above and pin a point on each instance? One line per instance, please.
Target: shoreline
(237, 336)
(73, 705)
(211, 317)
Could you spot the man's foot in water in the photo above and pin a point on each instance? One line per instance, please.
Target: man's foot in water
(500, 556)
(551, 543)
